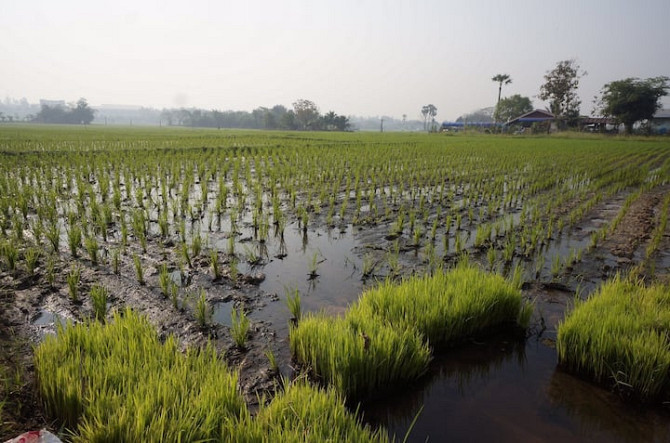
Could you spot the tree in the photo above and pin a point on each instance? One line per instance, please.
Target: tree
(512, 107)
(501, 79)
(428, 111)
(306, 113)
(82, 114)
(560, 88)
(632, 100)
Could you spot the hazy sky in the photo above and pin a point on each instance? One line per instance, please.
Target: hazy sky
(356, 57)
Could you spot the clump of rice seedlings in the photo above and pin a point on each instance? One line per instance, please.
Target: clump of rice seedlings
(214, 263)
(116, 261)
(368, 265)
(233, 271)
(99, 295)
(446, 307)
(293, 303)
(53, 235)
(11, 254)
(185, 255)
(74, 239)
(164, 280)
(73, 282)
(618, 337)
(358, 355)
(119, 382)
(92, 247)
(304, 413)
(417, 237)
(556, 266)
(491, 256)
(239, 327)
(139, 272)
(32, 256)
(313, 266)
(174, 294)
(196, 245)
(203, 310)
(272, 359)
(231, 244)
(51, 270)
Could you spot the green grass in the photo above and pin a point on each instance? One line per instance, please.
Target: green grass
(619, 337)
(119, 382)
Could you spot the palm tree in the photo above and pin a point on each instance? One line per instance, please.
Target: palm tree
(501, 79)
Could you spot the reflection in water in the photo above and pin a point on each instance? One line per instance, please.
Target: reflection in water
(597, 411)
(506, 391)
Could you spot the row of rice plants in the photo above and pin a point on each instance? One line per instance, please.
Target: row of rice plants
(118, 382)
(619, 337)
(387, 335)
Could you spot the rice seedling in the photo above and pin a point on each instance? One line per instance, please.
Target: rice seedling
(92, 247)
(214, 263)
(313, 266)
(556, 266)
(99, 295)
(73, 282)
(203, 310)
(293, 303)
(368, 265)
(74, 239)
(139, 271)
(164, 280)
(233, 272)
(51, 270)
(196, 246)
(239, 327)
(272, 359)
(618, 338)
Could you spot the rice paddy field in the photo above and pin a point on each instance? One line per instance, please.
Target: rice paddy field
(303, 286)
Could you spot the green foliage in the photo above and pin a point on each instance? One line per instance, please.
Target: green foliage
(139, 272)
(631, 100)
(619, 337)
(293, 303)
(560, 89)
(511, 107)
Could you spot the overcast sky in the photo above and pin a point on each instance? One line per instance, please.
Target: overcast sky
(356, 57)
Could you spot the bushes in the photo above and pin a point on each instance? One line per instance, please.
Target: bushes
(619, 337)
(384, 337)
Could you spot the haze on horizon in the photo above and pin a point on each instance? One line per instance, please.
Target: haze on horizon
(355, 57)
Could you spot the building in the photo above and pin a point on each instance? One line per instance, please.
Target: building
(660, 123)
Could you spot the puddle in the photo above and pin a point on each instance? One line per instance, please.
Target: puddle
(222, 313)
(48, 318)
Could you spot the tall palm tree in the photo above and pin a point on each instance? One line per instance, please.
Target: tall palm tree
(501, 79)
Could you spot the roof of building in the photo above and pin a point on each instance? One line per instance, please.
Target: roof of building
(662, 113)
(536, 115)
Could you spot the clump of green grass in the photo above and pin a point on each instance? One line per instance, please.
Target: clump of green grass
(619, 337)
(32, 256)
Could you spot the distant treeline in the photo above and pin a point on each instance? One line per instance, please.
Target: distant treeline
(304, 116)
(78, 114)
